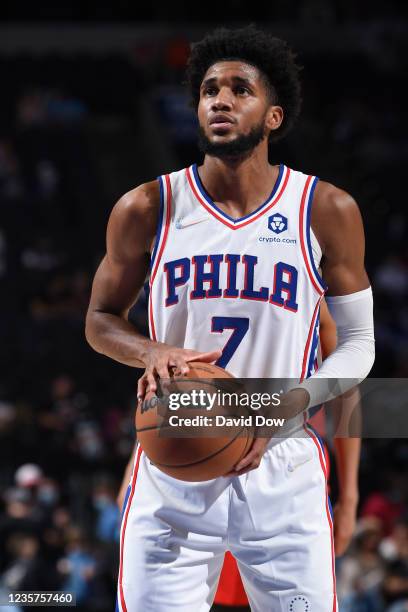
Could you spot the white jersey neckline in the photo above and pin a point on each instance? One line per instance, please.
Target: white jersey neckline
(204, 199)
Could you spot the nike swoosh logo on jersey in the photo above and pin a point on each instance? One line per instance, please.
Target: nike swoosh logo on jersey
(181, 225)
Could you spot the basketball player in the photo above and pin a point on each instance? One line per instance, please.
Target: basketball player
(234, 247)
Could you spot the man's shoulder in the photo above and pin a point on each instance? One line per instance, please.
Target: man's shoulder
(332, 199)
(135, 214)
(147, 196)
(143, 198)
(334, 212)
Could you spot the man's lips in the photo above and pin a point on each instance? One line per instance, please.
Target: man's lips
(221, 127)
(221, 123)
(221, 120)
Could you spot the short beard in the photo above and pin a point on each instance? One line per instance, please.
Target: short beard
(240, 147)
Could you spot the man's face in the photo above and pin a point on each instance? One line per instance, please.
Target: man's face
(233, 110)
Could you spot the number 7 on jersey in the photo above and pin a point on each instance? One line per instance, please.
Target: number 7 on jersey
(239, 325)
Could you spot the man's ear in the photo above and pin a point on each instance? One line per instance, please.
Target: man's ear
(274, 117)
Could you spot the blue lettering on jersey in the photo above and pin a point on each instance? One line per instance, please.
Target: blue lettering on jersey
(178, 274)
(232, 260)
(201, 277)
(248, 292)
(287, 285)
(174, 280)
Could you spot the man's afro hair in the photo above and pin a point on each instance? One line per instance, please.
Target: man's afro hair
(272, 56)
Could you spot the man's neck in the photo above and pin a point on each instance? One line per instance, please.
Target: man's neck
(238, 186)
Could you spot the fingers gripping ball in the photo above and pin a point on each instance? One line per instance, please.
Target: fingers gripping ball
(212, 450)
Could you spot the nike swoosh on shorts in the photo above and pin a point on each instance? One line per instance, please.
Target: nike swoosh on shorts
(292, 466)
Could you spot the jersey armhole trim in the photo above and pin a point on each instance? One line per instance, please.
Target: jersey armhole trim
(161, 243)
(312, 340)
(305, 230)
(159, 224)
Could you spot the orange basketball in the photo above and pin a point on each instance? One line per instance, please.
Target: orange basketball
(213, 450)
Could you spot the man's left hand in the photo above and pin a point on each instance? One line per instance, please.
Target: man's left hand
(252, 459)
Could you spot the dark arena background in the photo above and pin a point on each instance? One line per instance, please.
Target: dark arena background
(91, 105)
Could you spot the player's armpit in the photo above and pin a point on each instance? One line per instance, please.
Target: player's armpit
(328, 332)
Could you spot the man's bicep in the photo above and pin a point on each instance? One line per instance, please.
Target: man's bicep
(124, 268)
(343, 262)
(343, 278)
(117, 284)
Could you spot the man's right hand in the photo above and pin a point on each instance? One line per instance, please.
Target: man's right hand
(162, 361)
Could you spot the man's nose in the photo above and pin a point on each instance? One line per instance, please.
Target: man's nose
(223, 100)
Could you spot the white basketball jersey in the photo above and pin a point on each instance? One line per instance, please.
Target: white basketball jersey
(247, 286)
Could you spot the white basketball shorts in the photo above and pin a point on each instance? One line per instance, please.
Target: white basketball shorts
(276, 521)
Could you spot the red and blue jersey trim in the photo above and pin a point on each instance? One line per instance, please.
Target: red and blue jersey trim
(312, 361)
(159, 223)
(204, 199)
(161, 239)
(304, 232)
(312, 340)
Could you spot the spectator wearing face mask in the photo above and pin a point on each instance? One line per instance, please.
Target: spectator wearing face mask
(78, 567)
(48, 493)
(107, 521)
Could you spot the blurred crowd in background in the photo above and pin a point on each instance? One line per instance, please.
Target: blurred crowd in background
(78, 130)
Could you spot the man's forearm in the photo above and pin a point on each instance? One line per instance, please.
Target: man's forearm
(347, 451)
(347, 426)
(116, 338)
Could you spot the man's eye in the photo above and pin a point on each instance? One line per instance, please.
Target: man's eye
(210, 91)
(242, 90)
